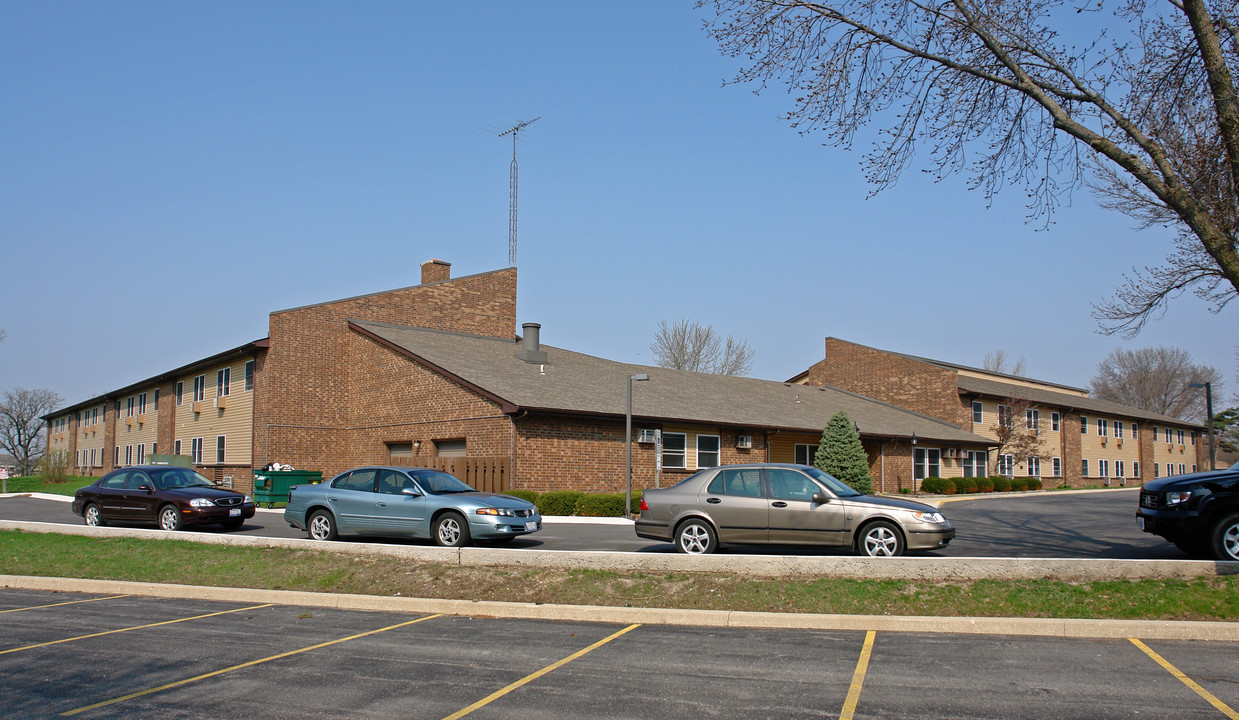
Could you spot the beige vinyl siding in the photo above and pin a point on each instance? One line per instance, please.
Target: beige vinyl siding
(91, 437)
(1094, 447)
(690, 443)
(783, 445)
(1171, 452)
(235, 420)
(1023, 382)
(141, 428)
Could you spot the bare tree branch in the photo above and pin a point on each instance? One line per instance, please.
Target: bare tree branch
(21, 427)
(1155, 379)
(686, 345)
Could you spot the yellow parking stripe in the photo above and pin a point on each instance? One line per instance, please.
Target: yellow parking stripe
(251, 663)
(858, 678)
(71, 602)
(1226, 710)
(121, 630)
(530, 678)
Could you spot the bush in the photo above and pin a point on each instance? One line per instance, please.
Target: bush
(965, 485)
(1033, 483)
(600, 505)
(528, 495)
(1001, 484)
(55, 465)
(937, 486)
(985, 484)
(1018, 484)
(559, 502)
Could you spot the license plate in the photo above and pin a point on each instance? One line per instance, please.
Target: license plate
(1140, 523)
(531, 525)
(235, 512)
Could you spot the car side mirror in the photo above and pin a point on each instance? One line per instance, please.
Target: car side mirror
(821, 498)
(146, 488)
(410, 491)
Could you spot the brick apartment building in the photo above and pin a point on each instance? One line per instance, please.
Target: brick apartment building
(434, 373)
(1082, 440)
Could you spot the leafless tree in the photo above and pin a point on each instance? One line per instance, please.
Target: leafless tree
(1155, 379)
(686, 345)
(1144, 109)
(21, 427)
(997, 361)
(1015, 434)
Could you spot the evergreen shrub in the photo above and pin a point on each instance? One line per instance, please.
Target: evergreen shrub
(965, 485)
(937, 486)
(558, 502)
(985, 485)
(601, 505)
(1001, 484)
(528, 495)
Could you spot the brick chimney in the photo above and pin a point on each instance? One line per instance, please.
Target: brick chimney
(436, 271)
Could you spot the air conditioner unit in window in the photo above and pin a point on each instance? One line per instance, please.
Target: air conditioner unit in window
(221, 401)
(744, 442)
(952, 452)
(646, 435)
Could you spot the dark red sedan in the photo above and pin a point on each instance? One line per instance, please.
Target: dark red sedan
(171, 497)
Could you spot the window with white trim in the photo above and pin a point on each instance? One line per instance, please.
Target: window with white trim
(180, 393)
(1083, 467)
(976, 464)
(1182, 469)
(1006, 465)
(176, 447)
(1033, 419)
(195, 452)
(1056, 464)
(674, 454)
(1135, 468)
(1004, 415)
(1103, 468)
(1157, 470)
(805, 453)
(926, 462)
(249, 375)
(1118, 428)
(1118, 469)
(1103, 427)
(1084, 425)
(141, 453)
(1135, 432)
(1055, 420)
(1034, 467)
(1181, 441)
(1193, 437)
(128, 454)
(199, 388)
(978, 411)
(142, 404)
(155, 402)
(129, 406)
(220, 443)
(223, 382)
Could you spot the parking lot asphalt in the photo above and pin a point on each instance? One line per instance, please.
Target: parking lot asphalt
(101, 656)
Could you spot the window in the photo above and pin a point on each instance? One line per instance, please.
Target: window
(673, 450)
(223, 382)
(740, 483)
(1103, 427)
(1034, 419)
(128, 454)
(1034, 467)
(155, 402)
(153, 448)
(195, 452)
(805, 454)
(976, 464)
(219, 448)
(927, 462)
(1182, 469)
(359, 480)
(249, 375)
(180, 393)
(1193, 437)
(978, 411)
(1084, 468)
(707, 451)
(142, 404)
(458, 447)
(1135, 433)
(1056, 464)
(1157, 470)
(116, 457)
(1054, 421)
(1181, 441)
(1118, 469)
(1083, 425)
(1103, 468)
(1135, 468)
(1004, 415)
(176, 447)
(1193, 468)
(1006, 465)
(129, 406)
(142, 454)
(790, 485)
(1118, 428)
(199, 388)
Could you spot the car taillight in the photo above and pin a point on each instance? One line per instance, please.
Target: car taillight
(644, 507)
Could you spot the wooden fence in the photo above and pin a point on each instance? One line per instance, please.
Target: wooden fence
(487, 474)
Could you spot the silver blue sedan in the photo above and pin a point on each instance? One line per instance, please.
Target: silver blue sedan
(408, 503)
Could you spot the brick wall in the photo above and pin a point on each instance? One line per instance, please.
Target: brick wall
(1072, 452)
(910, 384)
(167, 417)
(303, 404)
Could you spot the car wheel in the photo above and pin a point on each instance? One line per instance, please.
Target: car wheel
(451, 530)
(93, 517)
(880, 539)
(1226, 538)
(322, 526)
(169, 518)
(695, 537)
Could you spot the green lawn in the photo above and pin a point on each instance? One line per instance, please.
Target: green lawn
(35, 483)
(174, 561)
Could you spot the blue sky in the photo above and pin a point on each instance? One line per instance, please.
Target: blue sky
(172, 172)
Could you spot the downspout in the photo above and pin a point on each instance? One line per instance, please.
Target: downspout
(882, 465)
(514, 418)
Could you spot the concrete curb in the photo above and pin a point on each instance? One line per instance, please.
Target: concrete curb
(936, 569)
(1029, 627)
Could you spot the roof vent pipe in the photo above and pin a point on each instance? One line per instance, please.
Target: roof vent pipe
(531, 347)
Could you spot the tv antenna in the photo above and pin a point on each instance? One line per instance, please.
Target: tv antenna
(514, 131)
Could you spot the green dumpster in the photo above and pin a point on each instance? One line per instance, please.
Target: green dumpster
(271, 486)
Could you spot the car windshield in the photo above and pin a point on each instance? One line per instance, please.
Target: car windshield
(438, 483)
(180, 478)
(836, 486)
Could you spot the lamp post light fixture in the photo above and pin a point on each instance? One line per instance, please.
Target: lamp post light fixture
(1208, 386)
(628, 444)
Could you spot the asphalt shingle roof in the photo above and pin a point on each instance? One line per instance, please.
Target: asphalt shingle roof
(577, 383)
(994, 388)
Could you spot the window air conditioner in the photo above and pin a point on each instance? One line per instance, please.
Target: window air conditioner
(952, 452)
(646, 435)
(744, 441)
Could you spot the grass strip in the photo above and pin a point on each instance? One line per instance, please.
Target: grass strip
(36, 483)
(174, 561)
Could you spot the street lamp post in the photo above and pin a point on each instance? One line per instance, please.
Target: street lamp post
(628, 445)
(1208, 386)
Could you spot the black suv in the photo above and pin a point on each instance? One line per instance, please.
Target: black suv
(1199, 512)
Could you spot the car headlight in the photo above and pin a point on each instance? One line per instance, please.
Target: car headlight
(201, 502)
(1178, 498)
(930, 517)
(247, 500)
(506, 512)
